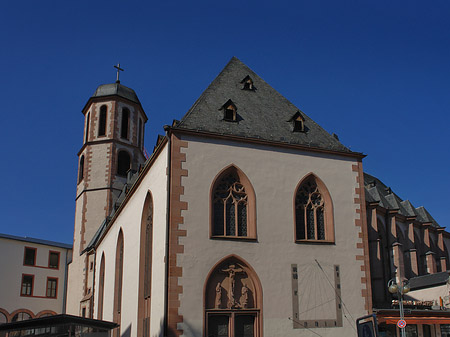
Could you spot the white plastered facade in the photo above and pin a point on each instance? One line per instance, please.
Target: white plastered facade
(129, 221)
(274, 174)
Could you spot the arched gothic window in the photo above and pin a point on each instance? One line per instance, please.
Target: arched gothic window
(102, 121)
(101, 288)
(3, 318)
(125, 123)
(145, 268)
(233, 205)
(118, 283)
(123, 163)
(88, 120)
(313, 211)
(233, 298)
(81, 169)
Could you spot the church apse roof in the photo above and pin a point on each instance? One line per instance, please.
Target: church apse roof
(377, 192)
(239, 103)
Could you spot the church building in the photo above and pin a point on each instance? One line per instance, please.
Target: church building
(248, 219)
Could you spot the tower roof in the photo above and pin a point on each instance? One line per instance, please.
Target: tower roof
(116, 89)
(260, 112)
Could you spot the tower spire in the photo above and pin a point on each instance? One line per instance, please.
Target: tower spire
(118, 70)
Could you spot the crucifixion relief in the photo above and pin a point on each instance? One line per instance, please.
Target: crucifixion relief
(232, 270)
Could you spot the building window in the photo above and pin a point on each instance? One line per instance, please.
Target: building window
(123, 163)
(101, 287)
(52, 287)
(102, 121)
(248, 83)
(125, 122)
(229, 111)
(145, 267)
(86, 136)
(140, 133)
(81, 169)
(118, 283)
(233, 300)
(298, 122)
(313, 211)
(233, 205)
(53, 260)
(27, 285)
(29, 256)
(3, 320)
(21, 316)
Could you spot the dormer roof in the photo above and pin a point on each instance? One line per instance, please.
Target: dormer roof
(264, 114)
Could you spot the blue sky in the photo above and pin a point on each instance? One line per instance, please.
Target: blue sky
(377, 73)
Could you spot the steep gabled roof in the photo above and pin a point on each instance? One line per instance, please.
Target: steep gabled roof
(262, 113)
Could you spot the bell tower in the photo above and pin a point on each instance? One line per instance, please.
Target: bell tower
(113, 144)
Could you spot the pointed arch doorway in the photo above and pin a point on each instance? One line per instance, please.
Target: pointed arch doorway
(232, 300)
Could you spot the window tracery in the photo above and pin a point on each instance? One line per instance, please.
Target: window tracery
(230, 207)
(311, 209)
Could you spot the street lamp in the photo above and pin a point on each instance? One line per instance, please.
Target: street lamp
(400, 290)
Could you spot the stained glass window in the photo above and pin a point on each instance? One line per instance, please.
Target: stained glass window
(309, 212)
(230, 207)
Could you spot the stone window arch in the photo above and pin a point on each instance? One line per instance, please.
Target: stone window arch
(88, 120)
(81, 169)
(233, 211)
(123, 163)
(232, 300)
(101, 287)
(21, 315)
(102, 121)
(118, 283)
(3, 318)
(145, 267)
(313, 211)
(125, 123)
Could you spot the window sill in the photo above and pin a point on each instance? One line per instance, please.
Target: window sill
(235, 238)
(315, 242)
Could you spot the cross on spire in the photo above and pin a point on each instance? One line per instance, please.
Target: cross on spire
(118, 70)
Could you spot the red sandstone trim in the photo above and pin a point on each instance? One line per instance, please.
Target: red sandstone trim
(175, 232)
(45, 312)
(364, 244)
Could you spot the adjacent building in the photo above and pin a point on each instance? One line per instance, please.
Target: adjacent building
(33, 277)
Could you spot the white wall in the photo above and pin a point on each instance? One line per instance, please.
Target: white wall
(129, 220)
(274, 174)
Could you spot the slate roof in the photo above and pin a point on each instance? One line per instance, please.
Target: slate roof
(116, 89)
(431, 280)
(37, 241)
(377, 191)
(262, 113)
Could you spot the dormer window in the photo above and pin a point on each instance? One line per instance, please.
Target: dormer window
(229, 111)
(248, 83)
(298, 122)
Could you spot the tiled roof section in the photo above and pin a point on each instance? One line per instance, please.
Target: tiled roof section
(37, 241)
(118, 89)
(377, 191)
(262, 113)
(424, 216)
(431, 280)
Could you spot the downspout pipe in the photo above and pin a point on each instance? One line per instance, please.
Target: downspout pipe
(169, 175)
